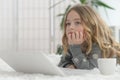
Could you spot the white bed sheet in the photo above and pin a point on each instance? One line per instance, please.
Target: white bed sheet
(7, 73)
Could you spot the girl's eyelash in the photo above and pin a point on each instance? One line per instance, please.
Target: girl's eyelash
(67, 23)
(78, 22)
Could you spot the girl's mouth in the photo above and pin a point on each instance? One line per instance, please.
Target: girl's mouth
(70, 32)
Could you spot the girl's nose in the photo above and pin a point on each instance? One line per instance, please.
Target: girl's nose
(71, 26)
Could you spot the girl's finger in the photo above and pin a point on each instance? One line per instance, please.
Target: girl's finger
(73, 36)
(81, 35)
(69, 36)
(77, 35)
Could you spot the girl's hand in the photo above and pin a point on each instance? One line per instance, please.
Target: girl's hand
(71, 66)
(75, 38)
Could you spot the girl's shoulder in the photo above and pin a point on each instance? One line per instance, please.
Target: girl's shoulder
(95, 47)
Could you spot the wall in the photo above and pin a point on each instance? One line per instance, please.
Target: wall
(112, 18)
(24, 25)
(7, 24)
(31, 25)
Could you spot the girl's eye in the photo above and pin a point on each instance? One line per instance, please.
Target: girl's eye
(67, 24)
(77, 23)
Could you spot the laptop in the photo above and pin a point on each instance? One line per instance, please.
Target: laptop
(31, 62)
(36, 62)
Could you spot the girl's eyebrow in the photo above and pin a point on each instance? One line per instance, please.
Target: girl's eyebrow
(77, 19)
(67, 20)
(74, 19)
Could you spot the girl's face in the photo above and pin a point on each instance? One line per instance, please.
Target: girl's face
(73, 23)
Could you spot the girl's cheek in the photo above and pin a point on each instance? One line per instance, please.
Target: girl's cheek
(80, 31)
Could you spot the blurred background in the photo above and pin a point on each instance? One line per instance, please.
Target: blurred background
(37, 24)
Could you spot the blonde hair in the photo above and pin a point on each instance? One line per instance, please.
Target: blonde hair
(96, 31)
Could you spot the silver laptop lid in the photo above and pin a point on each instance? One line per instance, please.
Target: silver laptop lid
(30, 62)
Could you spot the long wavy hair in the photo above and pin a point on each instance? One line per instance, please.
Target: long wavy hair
(95, 30)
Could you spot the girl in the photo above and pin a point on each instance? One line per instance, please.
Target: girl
(86, 38)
